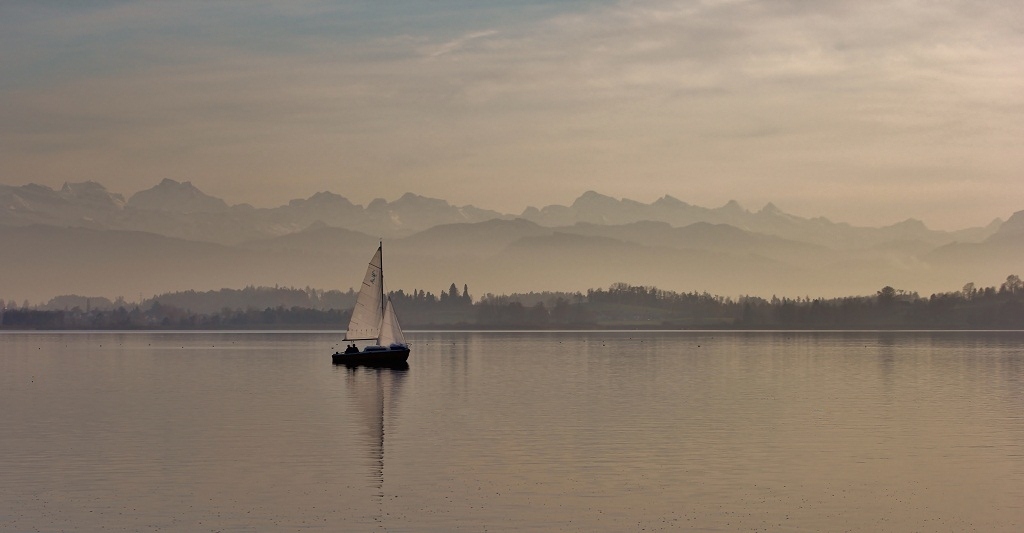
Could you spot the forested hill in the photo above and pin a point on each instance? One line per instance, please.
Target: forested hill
(621, 306)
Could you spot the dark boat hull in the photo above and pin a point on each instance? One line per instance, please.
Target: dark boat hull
(381, 358)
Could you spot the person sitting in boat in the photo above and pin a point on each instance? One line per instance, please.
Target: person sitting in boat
(352, 348)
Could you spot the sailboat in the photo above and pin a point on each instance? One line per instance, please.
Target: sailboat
(374, 319)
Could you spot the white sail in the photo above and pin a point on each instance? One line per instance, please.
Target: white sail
(366, 315)
(390, 331)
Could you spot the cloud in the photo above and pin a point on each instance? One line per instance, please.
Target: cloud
(456, 44)
(704, 100)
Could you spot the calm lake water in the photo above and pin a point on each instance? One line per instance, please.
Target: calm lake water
(593, 431)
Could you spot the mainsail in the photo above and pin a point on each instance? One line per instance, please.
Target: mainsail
(367, 314)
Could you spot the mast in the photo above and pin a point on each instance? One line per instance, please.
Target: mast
(380, 248)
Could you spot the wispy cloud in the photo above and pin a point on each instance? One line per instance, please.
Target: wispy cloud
(456, 44)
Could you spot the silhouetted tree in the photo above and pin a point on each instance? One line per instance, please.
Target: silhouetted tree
(1013, 284)
(886, 296)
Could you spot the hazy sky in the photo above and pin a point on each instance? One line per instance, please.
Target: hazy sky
(866, 112)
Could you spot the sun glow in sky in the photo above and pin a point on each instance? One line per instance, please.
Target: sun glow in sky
(866, 112)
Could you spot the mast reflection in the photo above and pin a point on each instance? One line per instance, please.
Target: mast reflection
(374, 393)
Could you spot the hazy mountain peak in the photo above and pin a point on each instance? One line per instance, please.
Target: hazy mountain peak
(412, 212)
(770, 209)
(35, 188)
(322, 199)
(327, 195)
(179, 197)
(1015, 220)
(409, 201)
(592, 198)
(732, 206)
(91, 193)
(910, 224)
(670, 201)
(412, 199)
(1013, 228)
(81, 186)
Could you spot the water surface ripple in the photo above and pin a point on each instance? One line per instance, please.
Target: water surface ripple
(569, 431)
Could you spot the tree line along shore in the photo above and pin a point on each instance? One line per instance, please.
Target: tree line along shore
(621, 306)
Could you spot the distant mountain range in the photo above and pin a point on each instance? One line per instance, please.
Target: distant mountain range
(176, 209)
(179, 209)
(85, 239)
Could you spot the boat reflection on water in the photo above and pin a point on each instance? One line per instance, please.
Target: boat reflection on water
(397, 366)
(374, 393)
